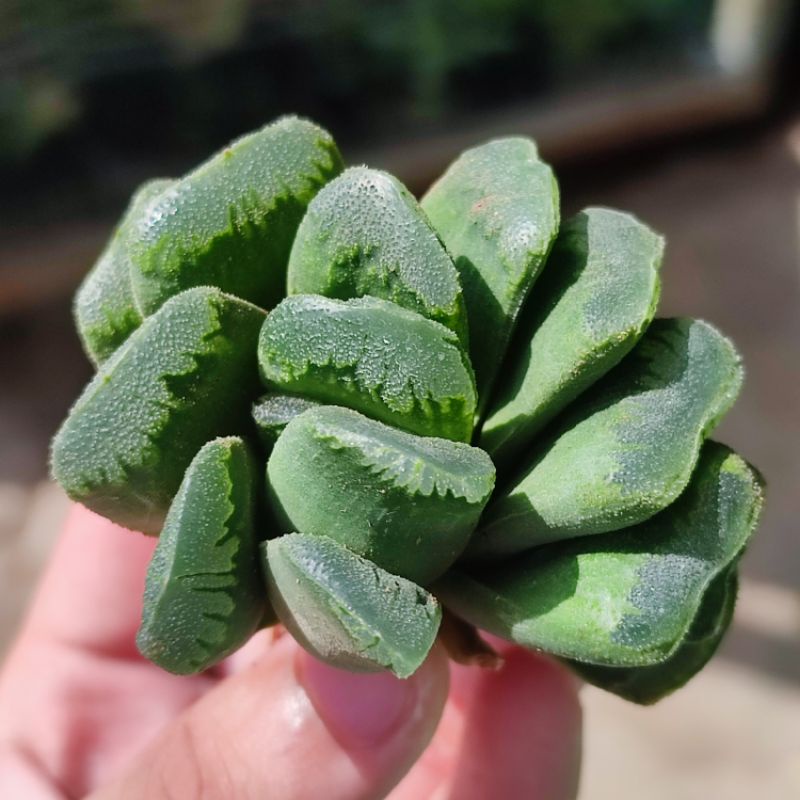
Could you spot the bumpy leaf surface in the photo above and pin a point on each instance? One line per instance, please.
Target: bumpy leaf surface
(408, 503)
(186, 375)
(629, 449)
(273, 412)
(497, 211)
(230, 223)
(371, 355)
(364, 234)
(647, 685)
(590, 307)
(105, 310)
(347, 611)
(205, 594)
(628, 598)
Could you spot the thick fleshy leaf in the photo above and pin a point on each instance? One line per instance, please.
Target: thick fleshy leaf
(230, 223)
(273, 412)
(371, 355)
(408, 503)
(497, 211)
(647, 685)
(105, 310)
(186, 375)
(364, 234)
(594, 301)
(347, 611)
(205, 595)
(627, 598)
(628, 449)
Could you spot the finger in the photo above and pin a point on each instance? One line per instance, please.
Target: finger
(293, 728)
(74, 693)
(511, 733)
(91, 593)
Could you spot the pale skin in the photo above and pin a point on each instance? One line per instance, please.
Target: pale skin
(82, 714)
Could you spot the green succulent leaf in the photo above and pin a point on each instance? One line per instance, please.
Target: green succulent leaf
(408, 503)
(374, 356)
(205, 596)
(593, 303)
(185, 376)
(364, 234)
(105, 310)
(497, 211)
(230, 223)
(347, 611)
(273, 412)
(647, 685)
(628, 598)
(628, 450)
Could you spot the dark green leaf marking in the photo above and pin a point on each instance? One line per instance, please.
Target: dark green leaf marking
(627, 598)
(347, 611)
(186, 375)
(205, 595)
(105, 311)
(273, 412)
(230, 223)
(364, 234)
(593, 303)
(626, 452)
(647, 685)
(497, 211)
(371, 355)
(407, 503)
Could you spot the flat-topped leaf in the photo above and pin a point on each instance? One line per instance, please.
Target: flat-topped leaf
(273, 412)
(364, 234)
(371, 355)
(497, 211)
(345, 610)
(205, 595)
(407, 503)
(186, 375)
(230, 223)
(594, 301)
(627, 598)
(628, 450)
(647, 685)
(105, 310)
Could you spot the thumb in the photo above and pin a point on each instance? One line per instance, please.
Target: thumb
(291, 727)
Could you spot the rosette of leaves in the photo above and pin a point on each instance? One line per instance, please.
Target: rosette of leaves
(346, 410)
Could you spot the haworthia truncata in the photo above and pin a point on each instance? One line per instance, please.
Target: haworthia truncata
(408, 503)
(347, 611)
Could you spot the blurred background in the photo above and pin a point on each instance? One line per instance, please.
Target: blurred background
(686, 112)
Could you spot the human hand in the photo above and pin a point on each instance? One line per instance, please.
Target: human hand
(81, 712)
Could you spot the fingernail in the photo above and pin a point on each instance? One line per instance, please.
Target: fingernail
(362, 709)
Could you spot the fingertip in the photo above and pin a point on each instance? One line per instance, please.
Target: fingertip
(364, 710)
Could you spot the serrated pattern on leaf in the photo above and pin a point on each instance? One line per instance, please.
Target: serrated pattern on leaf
(594, 301)
(424, 466)
(347, 611)
(105, 310)
(497, 211)
(364, 234)
(627, 451)
(371, 355)
(204, 596)
(406, 502)
(628, 598)
(185, 376)
(230, 223)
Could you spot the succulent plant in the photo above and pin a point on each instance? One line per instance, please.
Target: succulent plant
(346, 411)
